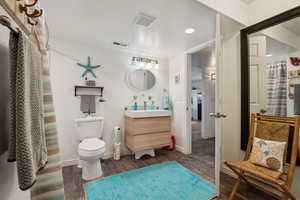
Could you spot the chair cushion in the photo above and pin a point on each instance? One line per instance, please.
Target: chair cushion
(268, 153)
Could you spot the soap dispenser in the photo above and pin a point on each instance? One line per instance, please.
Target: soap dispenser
(135, 104)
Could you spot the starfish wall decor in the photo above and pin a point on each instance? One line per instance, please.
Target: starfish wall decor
(89, 68)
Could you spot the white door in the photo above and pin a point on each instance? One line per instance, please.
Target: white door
(180, 92)
(218, 115)
(258, 74)
(181, 116)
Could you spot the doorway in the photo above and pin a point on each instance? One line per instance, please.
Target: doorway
(202, 64)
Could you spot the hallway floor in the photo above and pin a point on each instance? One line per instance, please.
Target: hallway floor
(201, 162)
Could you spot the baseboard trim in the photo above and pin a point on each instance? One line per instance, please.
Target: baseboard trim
(66, 163)
(180, 149)
(108, 156)
(206, 138)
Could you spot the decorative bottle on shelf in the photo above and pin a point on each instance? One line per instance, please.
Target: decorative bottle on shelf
(165, 100)
(152, 106)
(149, 103)
(135, 104)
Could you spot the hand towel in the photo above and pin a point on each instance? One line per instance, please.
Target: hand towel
(4, 65)
(27, 145)
(88, 104)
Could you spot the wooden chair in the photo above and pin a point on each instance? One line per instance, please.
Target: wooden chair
(283, 129)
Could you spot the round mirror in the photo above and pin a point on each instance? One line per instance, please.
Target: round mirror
(141, 79)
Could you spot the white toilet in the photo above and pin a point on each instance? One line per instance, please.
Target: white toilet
(91, 148)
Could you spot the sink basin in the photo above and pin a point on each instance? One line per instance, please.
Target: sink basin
(147, 113)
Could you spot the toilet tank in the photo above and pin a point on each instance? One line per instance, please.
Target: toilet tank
(89, 127)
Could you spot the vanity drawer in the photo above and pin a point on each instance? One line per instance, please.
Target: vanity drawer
(148, 141)
(140, 126)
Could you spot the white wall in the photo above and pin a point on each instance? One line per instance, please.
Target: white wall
(65, 74)
(197, 84)
(234, 9)
(9, 187)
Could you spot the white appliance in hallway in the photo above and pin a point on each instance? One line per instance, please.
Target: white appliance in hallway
(196, 105)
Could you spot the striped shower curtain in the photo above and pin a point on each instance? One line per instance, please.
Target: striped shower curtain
(49, 184)
(277, 88)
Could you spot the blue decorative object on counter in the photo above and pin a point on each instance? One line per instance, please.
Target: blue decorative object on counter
(89, 68)
(152, 106)
(165, 101)
(135, 106)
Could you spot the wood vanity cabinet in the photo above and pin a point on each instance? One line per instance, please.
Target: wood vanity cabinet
(147, 133)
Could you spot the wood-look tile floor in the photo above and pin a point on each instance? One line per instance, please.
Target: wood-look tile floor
(201, 162)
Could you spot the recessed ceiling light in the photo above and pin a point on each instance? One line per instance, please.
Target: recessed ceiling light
(189, 30)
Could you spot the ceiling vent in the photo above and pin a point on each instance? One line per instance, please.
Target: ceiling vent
(120, 44)
(145, 20)
(248, 1)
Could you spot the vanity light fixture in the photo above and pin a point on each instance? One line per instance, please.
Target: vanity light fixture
(189, 30)
(156, 66)
(269, 55)
(149, 65)
(144, 62)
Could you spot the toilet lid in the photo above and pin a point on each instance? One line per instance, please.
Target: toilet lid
(91, 144)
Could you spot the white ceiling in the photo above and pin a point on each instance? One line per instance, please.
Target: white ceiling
(277, 48)
(248, 1)
(293, 25)
(280, 48)
(99, 22)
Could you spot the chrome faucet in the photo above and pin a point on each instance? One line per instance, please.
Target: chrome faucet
(145, 105)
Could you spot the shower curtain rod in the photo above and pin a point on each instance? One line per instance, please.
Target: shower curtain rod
(5, 21)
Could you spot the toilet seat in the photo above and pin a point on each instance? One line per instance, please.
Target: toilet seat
(91, 147)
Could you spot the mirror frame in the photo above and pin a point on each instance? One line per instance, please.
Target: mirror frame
(245, 86)
(130, 86)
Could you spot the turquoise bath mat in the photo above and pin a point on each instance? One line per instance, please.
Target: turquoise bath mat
(168, 181)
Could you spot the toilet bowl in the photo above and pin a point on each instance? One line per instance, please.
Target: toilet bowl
(91, 148)
(90, 151)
